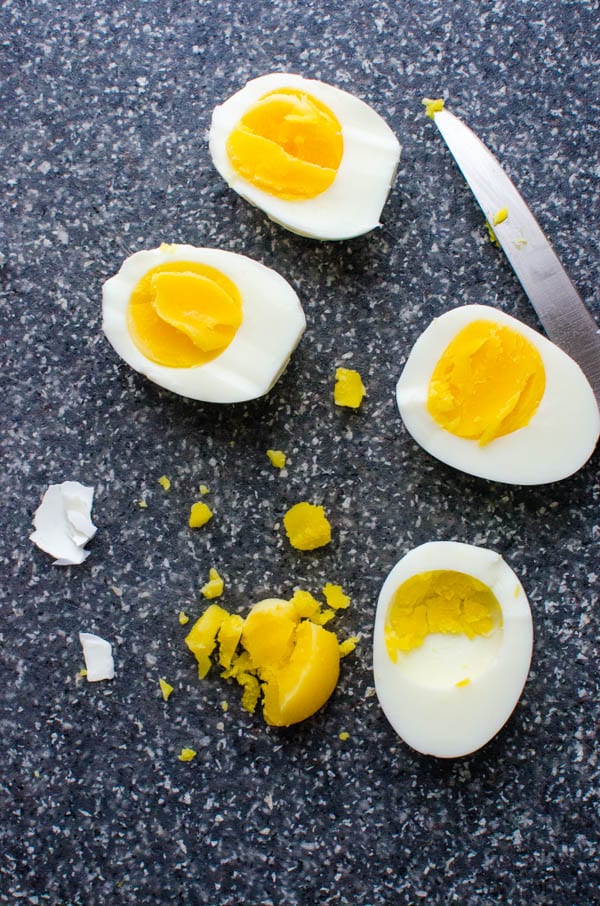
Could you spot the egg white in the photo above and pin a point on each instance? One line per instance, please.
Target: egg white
(352, 205)
(557, 441)
(272, 325)
(418, 693)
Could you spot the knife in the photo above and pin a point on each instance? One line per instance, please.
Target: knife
(559, 306)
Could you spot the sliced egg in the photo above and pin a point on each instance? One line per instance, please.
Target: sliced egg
(488, 395)
(452, 647)
(63, 523)
(314, 158)
(205, 323)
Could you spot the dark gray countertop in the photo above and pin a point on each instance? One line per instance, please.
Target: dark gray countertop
(105, 115)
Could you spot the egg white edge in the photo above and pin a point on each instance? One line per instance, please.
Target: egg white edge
(338, 212)
(459, 720)
(270, 306)
(541, 452)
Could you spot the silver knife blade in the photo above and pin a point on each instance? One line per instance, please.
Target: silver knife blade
(559, 306)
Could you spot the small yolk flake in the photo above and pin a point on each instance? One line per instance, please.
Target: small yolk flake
(348, 645)
(142, 505)
(432, 106)
(349, 389)
(204, 489)
(500, 216)
(224, 706)
(183, 618)
(214, 587)
(344, 735)
(439, 601)
(335, 597)
(491, 235)
(82, 672)
(276, 458)
(307, 526)
(166, 688)
(462, 682)
(164, 482)
(279, 652)
(200, 513)
(187, 754)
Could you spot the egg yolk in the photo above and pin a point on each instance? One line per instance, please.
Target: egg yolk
(288, 144)
(307, 526)
(182, 314)
(439, 601)
(279, 651)
(488, 382)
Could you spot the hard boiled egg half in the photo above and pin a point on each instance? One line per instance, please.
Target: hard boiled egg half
(314, 158)
(452, 647)
(205, 323)
(488, 395)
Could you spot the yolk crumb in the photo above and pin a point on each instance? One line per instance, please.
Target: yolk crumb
(432, 106)
(439, 601)
(280, 651)
(183, 618)
(488, 382)
(224, 706)
(164, 482)
(200, 513)
(214, 587)
(187, 754)
(166, 688)
(349, 389)
(344, 735)
(307, 526)
(348, 645)
(335, 597)
(463, 682)
(500, 216)
(204, 489)
(142, 504)
(277, 458)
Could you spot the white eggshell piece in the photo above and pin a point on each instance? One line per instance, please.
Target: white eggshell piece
(63, 523)
(97, 653)
(352, 205)
(419, 693)
(273, 323)
(557, 441)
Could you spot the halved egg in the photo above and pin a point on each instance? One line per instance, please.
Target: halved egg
(488, 395)
(205, 323)
(452, 647)
(314, 158)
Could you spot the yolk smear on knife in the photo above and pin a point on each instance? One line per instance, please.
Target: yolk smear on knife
(279, 653)
(488, 382)
(288, 144)
(183, 313)
(439, 601)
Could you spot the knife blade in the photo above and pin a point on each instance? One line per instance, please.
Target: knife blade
(559, 306)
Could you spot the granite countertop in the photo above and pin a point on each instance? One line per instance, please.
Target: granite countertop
(104, 151)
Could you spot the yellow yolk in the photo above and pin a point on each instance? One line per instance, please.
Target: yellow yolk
(165, 688)
(432, 106)
(214, 587)
(200, 513)
(307, 526)
(182, 314)
(277, 458)
(488, 382)
(280, 651)
(349, 389)
(288, 144)
(439, 601)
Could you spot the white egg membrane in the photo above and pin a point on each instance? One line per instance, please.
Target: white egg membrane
(352, 205)
(558, 440)
(63, 523)
(272, 324)
(418, 692)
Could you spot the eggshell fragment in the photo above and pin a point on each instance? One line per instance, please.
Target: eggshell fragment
(97, 653)
(63, 523)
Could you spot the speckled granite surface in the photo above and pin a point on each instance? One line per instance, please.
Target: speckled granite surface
(105, 113)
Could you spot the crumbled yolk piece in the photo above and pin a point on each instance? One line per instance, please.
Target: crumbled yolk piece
(164, 482)
(166, 688)
(142, 504)
(288, 144)
(335, 597)
(183, 618)
(432, 106)
(187, 754)
(348, 645)
(463, 682)
(182, 314)
(439, 601)
(200, 513)
(491, 235)
(214, 587)
(349, 389)
(277, 458)
(307, 526)
(225, 706)
(280, 651)
(500, 216)
(488, 382)
(204, 489)
(344, 735)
